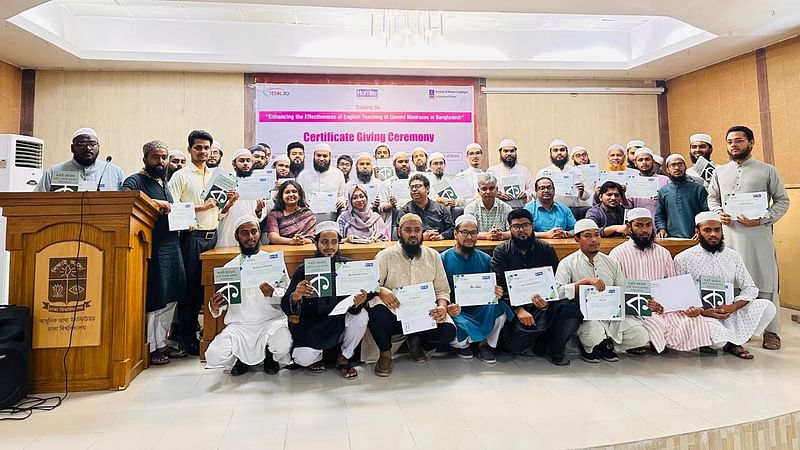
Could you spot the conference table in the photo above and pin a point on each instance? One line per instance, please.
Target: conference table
(294, 255)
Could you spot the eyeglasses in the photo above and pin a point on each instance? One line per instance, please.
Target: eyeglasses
(468, 233)
(545, 188)
(416, 187)
(474, 153)
(87, 144)
(521, 226)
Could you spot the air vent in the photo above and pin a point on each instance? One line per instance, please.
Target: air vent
(28, 154)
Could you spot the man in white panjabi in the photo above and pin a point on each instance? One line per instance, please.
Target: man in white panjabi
(730, 325)
(560, 166)
(236, 207)
(323, 178)
(256, 329)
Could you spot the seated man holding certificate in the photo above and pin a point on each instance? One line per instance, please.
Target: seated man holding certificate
(540, 326)
(313, 321)
(414, 289)
(473, 286)
(255, 327)
(551, 220)
(589, 267)
(731, 324)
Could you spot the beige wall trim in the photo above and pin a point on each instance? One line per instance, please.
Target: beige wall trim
(573, 90)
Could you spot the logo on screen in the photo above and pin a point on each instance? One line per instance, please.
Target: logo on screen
(277, 92)
(431, 93)
(370, 93)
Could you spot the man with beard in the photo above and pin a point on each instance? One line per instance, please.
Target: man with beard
(255, 328)
(235, 208)
(282, 167)
(752, 237)
(420, 159)
(551, 220)
(383, 203)
(323, 179)
(615, 154)
(479, 325)
(404, 264)
(538, 328)
(609, 214)
(345, 164)
(215, 155)
(176, 162)
(402, 168)
(313, 329)
(260, 158)
(166, 278)
(474, 159)
(589, 267)
(508, 167)
(645, 164)
(630, 148)
(381, 152)
(490, 212)
(579, 155)
(437, 174)
(700, 145)
(679, 202)
(85, 149)
(436, 219)
(296, 152)
(730, 325)
(559, 159)
(642, 259)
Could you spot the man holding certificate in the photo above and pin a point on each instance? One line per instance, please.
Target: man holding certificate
(410, 264)
(238, 207)
(475, 289)
(314, 324)
(539, 327)
(751, 234)
(589, 267)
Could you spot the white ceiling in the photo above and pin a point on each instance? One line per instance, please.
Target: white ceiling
(637, 39)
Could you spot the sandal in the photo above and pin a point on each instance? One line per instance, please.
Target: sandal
(158, 359)
(737, 351)
(771, 341)
(316, 368)
(347, 371)
(173, 352)
(638, 350)
(708, 350)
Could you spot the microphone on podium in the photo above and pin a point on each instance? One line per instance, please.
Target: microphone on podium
(100, 180)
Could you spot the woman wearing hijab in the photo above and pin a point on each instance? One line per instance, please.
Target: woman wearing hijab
(359, 221)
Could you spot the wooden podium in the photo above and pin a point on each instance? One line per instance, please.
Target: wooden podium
(103, 289)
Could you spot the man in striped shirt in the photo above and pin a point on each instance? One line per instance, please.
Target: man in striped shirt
(641, 258)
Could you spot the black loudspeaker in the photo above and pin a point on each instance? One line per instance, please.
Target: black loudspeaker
(15, 349)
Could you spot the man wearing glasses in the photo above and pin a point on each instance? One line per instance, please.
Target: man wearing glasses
(551, 220)
(85, 149)
(437, 222)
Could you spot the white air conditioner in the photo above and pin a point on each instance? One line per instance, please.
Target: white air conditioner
(20, 170)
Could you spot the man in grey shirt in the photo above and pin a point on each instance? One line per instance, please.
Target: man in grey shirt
(85, 149)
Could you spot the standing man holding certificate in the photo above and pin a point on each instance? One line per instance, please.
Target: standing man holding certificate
(539, 327)
(751, 237)
(92, 176)
(479, 324)
(589, 267)
(508, 167)
(324, 178)
(404, 264)
(313, 327)
(236, 207)
(559, 157)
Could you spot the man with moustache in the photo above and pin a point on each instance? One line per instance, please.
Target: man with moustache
(296, 152)
(679, 202)
(176, 162)
(402, 168)
(85, 149)
(260, 156)
(559, 158)
(436, 219)
(630, 150)
(384, 203)
(539, 328)
(609, 214)
(235, 208)
(751, 237)
(508, 167)
(730, 325)
(579, 155)
(323, 178)
(215, 155)
(437, 174)
(615, 154)
(382, 151)
(551, 220)
(700, 145)
(419, 156)
(166, 278)
(645, 164)
(255, 330)
(408, 263)
(282, 166)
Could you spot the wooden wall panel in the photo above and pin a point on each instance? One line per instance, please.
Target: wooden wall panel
(594, 121)
(788, 248)
(10, 97)
(783, 69)
(128, 109)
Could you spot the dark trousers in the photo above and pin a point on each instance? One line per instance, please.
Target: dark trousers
(192, 244)
(383, 324)
(549, 335)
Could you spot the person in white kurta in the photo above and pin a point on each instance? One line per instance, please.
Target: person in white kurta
(751, 237)
(507, 167)
(559, 157)
(474, 170)
(256, 329)
(730, 326)
(237, 208)
(323, 178)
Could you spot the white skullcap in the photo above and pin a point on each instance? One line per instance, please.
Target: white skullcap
(468, 218)
(558, 142)
(176, 152)
(638, 213)
(409, 217)
(327, 225)
(399, 154)
(642, 151)
(216, 145)
(84, 131)
(474, 146)
(576, 149)
(422, 149)
(615, 147)
(585, 225)
(702, 137)
(283, 158)
(241, 152)
(658, 159)
(363, 155)
(381, 144)
(507, 143)
(635, 143)
(705, 216)
(675, 156)
(436, 155)
(247, 218)
(322, 146)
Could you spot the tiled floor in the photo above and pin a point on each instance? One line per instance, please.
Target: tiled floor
(446, 403)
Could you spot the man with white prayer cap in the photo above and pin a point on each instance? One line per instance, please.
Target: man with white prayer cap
(236, 208)
(579, 155)
(255, 327)
(419, 156)
(659, 161)
(679, 202)
(176, 160)
(559, 158)
(631, 148)
(402, 171)
(215, 155)
(734, 321)
(281, 164)
(378, 192)
(474, 153)
(700, 146)
(615, 155)
(508, 167)
(645, 164)
(439, 179)
(589, 267)
(324, 178)
(313, 329)
(382, 152)
(85, 149)
(476, 324)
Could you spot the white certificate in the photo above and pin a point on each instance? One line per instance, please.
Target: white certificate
(89, 186)
(254, 187)
(676, 293)
(322, 202)
(523, 284)
(181, 216)
(342, 306)
(265, 267)
(269, 173)
(385, 168)
(564, 183)
(589, 173)
(354, 276)
(475, 289)
(752, 205)
(462, 185)
(65, 181)
(372, 193)
(642, 187)
(511, 186)
(605, 305)
(619, 177)
(416, 301)
(401, 192)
